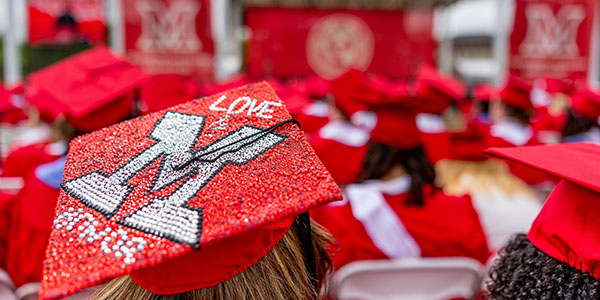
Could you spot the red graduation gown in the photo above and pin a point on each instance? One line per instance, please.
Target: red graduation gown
(444, 226)
(22, 161)
(33, 213)
(6, 204)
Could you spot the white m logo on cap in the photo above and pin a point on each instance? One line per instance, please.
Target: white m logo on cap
(176, 135)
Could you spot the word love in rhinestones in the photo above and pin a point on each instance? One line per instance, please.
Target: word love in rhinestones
(246, 105)
(176, 135)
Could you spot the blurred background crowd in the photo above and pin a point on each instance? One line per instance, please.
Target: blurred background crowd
(398, 98)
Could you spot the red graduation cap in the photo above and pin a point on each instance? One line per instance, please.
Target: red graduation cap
(516, 93)
(554, 85)
(470, 143)
(166, 90)
(185, 198)
(484, 92)
(312, 86)
(397, 128)
(437, 91)
(586, 103)
(568, 227)
(351, 92)
(92, 88)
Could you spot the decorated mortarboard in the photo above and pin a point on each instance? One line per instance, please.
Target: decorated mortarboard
(516, 93)
(82, 85)
(184, 198)
(568, 227)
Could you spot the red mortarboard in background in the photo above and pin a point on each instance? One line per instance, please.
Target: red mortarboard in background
(484, 92)
(546, 120)
(352, 92)
(554, 85)
(185, 198)
(166, 90)
(586, 103)
(92, 88)
(397, 128)
(436, 91)
(568, 226)
(312, 86)
(516, 93)
(469, 144)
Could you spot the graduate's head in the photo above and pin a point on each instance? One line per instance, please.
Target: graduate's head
(560, 256)
(514, 102)
(385, 162)
(280, 274)
(585, 111)
(522, 271)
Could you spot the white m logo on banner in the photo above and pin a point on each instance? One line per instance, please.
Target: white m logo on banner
(550, 35)
(167, 27)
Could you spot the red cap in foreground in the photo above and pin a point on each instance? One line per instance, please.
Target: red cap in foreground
(185, 198)
(568, 226)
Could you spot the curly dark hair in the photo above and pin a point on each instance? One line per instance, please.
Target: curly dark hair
(522, 271)
(576, 124)
(381, 158)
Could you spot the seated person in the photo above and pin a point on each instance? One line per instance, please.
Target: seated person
(560, 256)
(397, 211)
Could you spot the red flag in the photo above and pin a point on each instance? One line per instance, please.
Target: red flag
(169, 37)
(293, 42)
(552, 38)
(65, 22)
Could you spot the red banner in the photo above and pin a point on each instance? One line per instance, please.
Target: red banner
(169, 36)
(66, 21)
(295, 42)
(552, 38)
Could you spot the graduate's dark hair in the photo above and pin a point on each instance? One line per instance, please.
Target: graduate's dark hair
(382, 158)
(522, 271)
(576, 124)
(520, 114)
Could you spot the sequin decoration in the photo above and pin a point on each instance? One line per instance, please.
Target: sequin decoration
(150, 189)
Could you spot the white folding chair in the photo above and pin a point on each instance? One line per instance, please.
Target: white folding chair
(411, 278)
(11, 183)
(28, 291)
(7, 288)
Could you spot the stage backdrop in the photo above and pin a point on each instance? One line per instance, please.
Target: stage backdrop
(169, 36)
(66, 21)
(552, 38)
(294, 42)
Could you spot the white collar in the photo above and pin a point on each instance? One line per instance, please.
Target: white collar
(344, 132)
(512, 131)
(396, 186)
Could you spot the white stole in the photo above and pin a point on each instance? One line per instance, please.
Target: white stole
(379, 220)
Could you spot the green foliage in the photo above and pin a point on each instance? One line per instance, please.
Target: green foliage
(39, 56)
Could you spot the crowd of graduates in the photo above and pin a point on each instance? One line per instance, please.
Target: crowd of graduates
(414, 148)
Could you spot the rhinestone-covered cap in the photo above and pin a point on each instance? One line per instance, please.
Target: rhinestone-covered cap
(180, 181)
